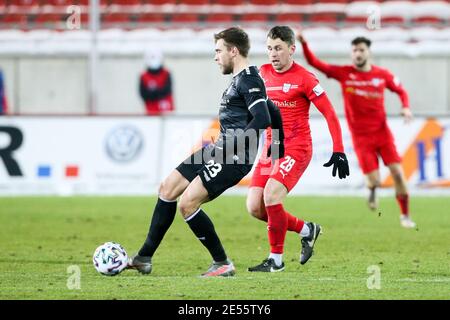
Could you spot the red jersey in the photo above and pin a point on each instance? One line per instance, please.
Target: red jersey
(293, 91)
(363, 93)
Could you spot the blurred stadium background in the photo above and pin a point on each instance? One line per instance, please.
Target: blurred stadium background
(71, 72)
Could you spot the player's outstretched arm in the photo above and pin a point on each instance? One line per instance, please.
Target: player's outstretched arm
(276, 148)
(331, 71)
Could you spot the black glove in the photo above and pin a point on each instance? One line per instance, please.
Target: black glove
(280, 150)
(340, 163)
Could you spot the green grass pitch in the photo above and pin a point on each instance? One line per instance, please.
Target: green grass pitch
(42, 239)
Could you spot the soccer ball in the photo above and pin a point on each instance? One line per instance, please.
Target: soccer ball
(110, 259)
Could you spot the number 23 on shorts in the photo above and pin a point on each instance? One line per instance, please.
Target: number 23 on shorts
(213, 169)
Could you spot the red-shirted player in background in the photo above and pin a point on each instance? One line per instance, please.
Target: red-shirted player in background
(363, 87)
(292, 88)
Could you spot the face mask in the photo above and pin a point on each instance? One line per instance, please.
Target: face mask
(153, 59)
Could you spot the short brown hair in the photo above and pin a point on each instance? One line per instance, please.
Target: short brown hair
(235, 37)
(359, 40)
(282, 32)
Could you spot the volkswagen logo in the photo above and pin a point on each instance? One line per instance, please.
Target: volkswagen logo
(123, 144)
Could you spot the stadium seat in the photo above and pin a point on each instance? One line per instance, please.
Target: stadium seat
(159, 2)
(57, 2)
(24, 3)
(126, 2)
(393, 20)
(194, 2)
(115, 18)
(427, 20)
(335, 1)
(219, 18)
(355, 20)
(14, 21)
(298, 2)
(254, 18)
(49, 20)
(286, 18)
(328, 18)
(185, 18)
(228, 2)
(431, 12)
(151, 18)
(263, 2)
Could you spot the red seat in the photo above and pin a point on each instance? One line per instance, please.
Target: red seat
(185, 18)
(49, 19)
(359, 20)
(84, 19)
(289, 17)
(24, 3)
(324, 18)
(334, 1)
(219, 18)
(228, 2)
(393, 20)
(159, 2)
(151, 18)
(126, 2)
(263, 2)
(12, 20)
(194, 2)
(428, 20)
(254, 17)
(115, 18)
(298, 2)
(57, 2)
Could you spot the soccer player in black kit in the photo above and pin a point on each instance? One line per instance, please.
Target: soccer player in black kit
(207, 173)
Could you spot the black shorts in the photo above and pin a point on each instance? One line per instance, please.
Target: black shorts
(216, 177)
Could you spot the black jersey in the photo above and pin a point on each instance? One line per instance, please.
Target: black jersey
(245, 91)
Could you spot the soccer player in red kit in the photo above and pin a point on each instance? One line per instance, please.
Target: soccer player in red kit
(363, 87)
(292, 88)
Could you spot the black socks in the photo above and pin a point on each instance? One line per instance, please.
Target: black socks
(162, 219)
(203, 228)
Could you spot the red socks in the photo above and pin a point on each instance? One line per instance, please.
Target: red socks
(294, 223)
(279, 222)
(276, 227)
(403, 202)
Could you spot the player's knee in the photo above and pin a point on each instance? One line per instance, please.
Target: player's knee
(271, 198)
(254, 209)
(373, 182)
(397, 175)
(166, 192)
(187, 208)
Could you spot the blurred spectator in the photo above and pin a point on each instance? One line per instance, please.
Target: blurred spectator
(155, 85)
(3, 103)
